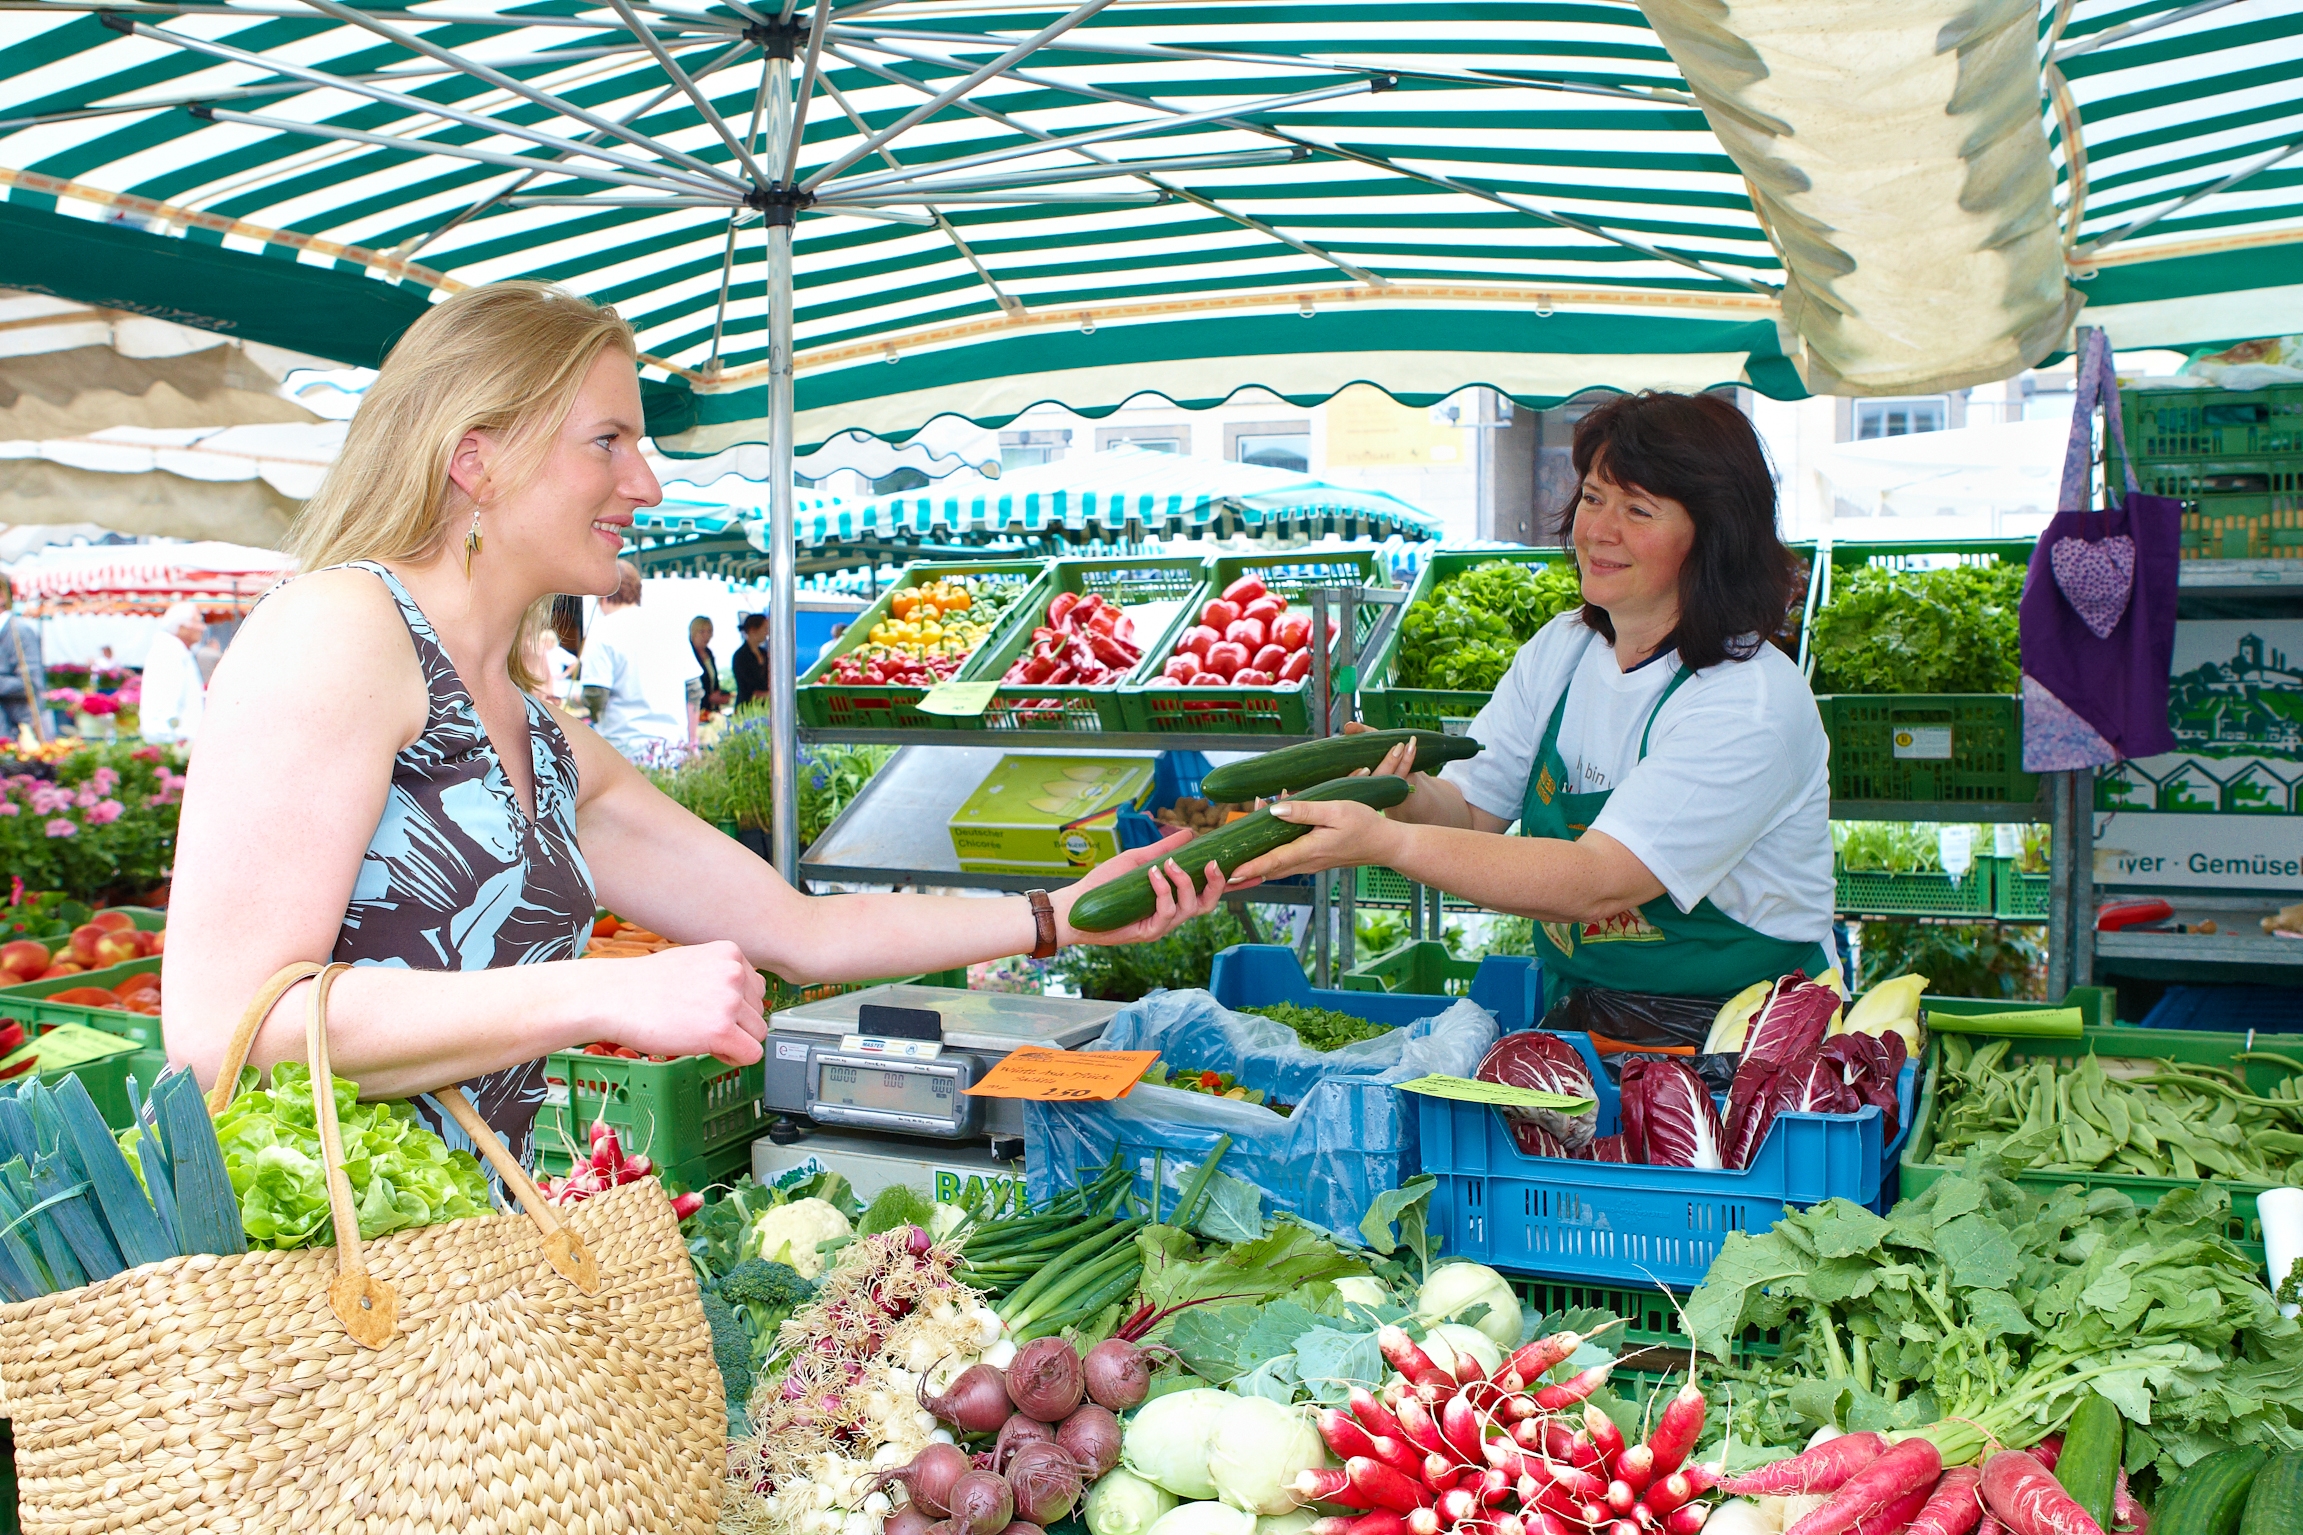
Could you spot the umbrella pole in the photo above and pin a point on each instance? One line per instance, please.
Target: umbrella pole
(783, 652)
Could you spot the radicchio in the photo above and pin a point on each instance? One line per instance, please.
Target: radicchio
(1536, 1141)
(1668, 1117)
(1787, 1029)
(1812, 1086)
(1872, 1066)
(1546, 1063)
(1605, 1148)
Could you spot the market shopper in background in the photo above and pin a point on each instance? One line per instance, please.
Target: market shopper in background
(710, 697)
(23, 680)
(751, 662)
(635, 687)
(373, 785)
(1665, 763)
(173, 690)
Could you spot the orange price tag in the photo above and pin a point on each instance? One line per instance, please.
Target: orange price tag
(1064, 1076)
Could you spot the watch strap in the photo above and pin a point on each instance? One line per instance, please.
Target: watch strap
(1043, 918)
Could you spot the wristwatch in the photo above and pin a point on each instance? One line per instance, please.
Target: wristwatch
(1044, 918)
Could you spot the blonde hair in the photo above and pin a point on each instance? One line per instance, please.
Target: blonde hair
(506, 359)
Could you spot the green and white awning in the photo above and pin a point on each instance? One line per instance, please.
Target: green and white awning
(1297, 194)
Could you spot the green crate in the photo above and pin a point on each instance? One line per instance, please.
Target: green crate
(1986, 762)
(723, 1165)
(1388, 707)
(1374, 885)
(1133, 579)
(841, 706)
(2245, 1228)
(2213, 423)
(2020, 897)
(1881, 893)
(2243, 527)
(106, 1077)
(2098, 1005)
(1273, 711)
(678, 1110)
(1422, 967)
(1650, 1317)
(28, 1005)
(1928, 553)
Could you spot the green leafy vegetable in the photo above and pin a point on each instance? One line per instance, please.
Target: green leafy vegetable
(1321, 1028)
(1408, 1207)
(1178, 1273)
(1464, 635)
(896, 1205)
(1920, 631)
(402, 1175)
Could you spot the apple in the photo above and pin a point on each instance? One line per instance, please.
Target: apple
(156, 943)
(117, 949)
(113, 921)
(84, 940)
(23, 959)
(59, 970)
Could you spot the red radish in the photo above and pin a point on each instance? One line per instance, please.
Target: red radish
(1373, 1414)
(1953, 1508)
(1459, 1426)
(1532, 1359)
(1677, 1430)
(1620, 1497)
(1894, 1519)
(1548, 1523)
(1424, 1521)
(2126, 1513)
(1381, 1486)
(1604, 1434)
(1624, 1527)
(1676, 1490)
(1915, 1463)
(1343, 1436)
(1583, 1485)
(1415, 1423)
(1510, 1524)
(2029, 1501)
(1516, 1408)
(1437, 1471)
(1636, 1466)
(1826, 1468)
(1553, 1398)
(1686, 1521)
(1321, 1484)
(1494, 1487)
(1380, 1522)
(1400, 1351)
(1989, 1525)
(1456, 1505)
(685, 1205)
(1398, 1454)
(2048, 1451)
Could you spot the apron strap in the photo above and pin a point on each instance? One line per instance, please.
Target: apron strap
(1680, 676)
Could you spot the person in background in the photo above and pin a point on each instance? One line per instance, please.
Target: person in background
(833, 643)
(22, 678)
(174, 692)
(711, 698)
(636, 691)
(751, 662)
(564, 622)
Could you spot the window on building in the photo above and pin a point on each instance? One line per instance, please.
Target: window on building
(1028, 455)
(1167, 438)
(1282, 449)
(1901, 418)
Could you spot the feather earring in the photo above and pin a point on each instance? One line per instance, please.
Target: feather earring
(472, 543)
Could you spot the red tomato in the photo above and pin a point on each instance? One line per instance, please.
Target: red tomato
(1298, 667)
(1181, 668)
(1249, 677)
(1249, 632)
(1270, 659)
(1226, 658)
(1197, 639)
(1270, 609)
(1210, 680)
(1245, 590)
(1219, 615)
(1163, 680)
(1293, 633)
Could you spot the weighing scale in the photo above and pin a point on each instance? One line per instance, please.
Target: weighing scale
(892, 1064)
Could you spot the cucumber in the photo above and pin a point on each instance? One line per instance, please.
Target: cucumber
(2275, 1502)
(1291, 768)
(2092, 1443)
(2209, 1498)
(1129, 898)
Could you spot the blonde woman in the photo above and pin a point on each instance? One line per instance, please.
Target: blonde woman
(375, 784)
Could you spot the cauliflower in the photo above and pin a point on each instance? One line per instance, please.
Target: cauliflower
(791, 1233)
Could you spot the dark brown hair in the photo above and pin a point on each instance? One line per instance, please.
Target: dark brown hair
(1698, 450)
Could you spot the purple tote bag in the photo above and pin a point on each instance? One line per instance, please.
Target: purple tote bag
(2098, 614)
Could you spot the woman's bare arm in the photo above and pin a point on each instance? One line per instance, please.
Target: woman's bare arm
(318, 692)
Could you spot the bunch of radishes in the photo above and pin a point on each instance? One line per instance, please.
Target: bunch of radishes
(1497, 1454)
(1866, 1485)
(605, 1168)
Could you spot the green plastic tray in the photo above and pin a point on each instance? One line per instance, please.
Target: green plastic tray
(2021, 897)
(783, 994)
(2213, 423)
(1280, 711)
(721, 1166)
(1880, 893)
(1389, 707)
(1986, 761)
(677, 1111)
(842, 706)
(28, 1005)
(1374, 885)
(2245, 1228)
(1423, 967)
(1130, 579)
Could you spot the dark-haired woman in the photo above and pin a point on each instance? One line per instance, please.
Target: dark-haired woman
(1666, 765)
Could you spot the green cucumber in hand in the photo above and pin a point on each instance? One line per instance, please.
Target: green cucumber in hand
(1129, 898)
(1271, 774)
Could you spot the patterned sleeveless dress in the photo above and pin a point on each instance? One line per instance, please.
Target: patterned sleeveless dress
(457, 877)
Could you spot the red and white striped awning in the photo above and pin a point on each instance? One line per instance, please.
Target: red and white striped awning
(212, 574)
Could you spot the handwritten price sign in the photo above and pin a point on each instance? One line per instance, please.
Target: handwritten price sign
(1064, 1076)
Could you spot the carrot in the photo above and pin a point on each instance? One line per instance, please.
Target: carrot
(1953, 1508)
(1826, 1468)
(1912, 1465)
(2029, 1501)
(1380, 1485)
(1677, 1430)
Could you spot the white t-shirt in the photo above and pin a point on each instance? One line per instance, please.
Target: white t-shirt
(647, 682)
(1732, 801)
(172, 693)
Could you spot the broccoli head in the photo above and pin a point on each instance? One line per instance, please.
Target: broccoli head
(732, 1352)
(762, 1282)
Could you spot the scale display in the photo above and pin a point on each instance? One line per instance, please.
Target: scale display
(875, 1091)
(891, 1089)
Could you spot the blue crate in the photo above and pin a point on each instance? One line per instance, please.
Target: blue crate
(2228, 1009)
(1612, 1222)
(1260, 974)
(1175, 775)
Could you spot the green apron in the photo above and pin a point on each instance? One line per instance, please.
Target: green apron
(1658, 948)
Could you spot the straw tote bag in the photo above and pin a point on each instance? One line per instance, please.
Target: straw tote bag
(501, 1373)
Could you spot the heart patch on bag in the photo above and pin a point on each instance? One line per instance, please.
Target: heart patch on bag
(2097, 578)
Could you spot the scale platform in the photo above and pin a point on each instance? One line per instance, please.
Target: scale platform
(923, 1096)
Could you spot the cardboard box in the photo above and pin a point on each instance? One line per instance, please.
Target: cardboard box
(1057, 816)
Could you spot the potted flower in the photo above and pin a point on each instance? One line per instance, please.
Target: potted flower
(97, 720)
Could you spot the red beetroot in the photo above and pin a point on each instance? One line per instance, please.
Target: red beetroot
(2029, 1501)
(1825, 1468)
(1954, 1507)
(1913, 1464)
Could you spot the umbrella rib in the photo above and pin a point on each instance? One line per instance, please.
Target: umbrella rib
(300, 13)
(1206, 162)
(992, 114)
(2255, 167)
(573, 200)
(949, 94)
(728, 252)
(503, 81)
(703, 104)
(454, 151)
(2136, 28)
(806, 92)
(413, 104)
(409, 248)
(1008, 302)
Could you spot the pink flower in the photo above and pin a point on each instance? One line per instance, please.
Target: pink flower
(61, 828)
(49, 798)
(155, 801)
(68, 697)
(104, 780)
(10, 807)
(86, 799)
(105, 811)
(99, 704)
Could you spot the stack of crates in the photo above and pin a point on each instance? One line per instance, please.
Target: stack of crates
(2233, 457)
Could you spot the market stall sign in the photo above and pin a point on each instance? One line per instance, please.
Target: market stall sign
(1467, 1090)
(958, 699)
(1064, 1076)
